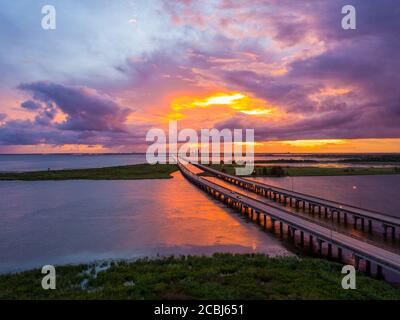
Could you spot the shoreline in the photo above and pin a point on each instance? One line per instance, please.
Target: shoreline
(164, 171)
(130, 172)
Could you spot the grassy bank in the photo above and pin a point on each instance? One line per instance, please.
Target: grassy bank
(223, 276)
(276, 171)
(138, 171)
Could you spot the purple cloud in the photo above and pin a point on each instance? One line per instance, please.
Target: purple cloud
(86, 109)
(30, 105)
(93, 118)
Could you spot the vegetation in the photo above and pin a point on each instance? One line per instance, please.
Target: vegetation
(377, 158)
(286, 161)
(138, 171)
(279, 171)
(222, 276)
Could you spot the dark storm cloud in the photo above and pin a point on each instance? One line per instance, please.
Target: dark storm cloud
(86, 109)
(30, 105)
(365, 60)
(92, 119)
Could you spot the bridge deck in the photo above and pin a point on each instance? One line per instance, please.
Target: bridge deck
(385, 219)
(364, 250)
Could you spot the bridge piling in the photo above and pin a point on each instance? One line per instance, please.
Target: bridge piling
(320, 242)
(379, 273)
(368, 267)
(339, 253)
(357, 262)
(329, 250)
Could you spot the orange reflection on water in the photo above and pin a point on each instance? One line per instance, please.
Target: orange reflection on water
(192, 218)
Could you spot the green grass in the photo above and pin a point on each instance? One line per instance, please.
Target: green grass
(223, 276)
(313, 171)
(138, 171)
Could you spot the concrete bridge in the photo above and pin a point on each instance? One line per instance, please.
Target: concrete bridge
(374, 221)
(335, 242)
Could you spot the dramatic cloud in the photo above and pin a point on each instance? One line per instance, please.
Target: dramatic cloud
(30, 105)
(86, 109)
(318, 80)
(87, 117)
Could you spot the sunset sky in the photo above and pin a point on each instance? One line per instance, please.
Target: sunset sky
(112, 70)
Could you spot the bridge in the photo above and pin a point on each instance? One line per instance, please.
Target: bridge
(264, 214)
(317, 205)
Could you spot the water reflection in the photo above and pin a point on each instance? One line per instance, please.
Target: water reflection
(378, 193)
(39, 162)
(49, 222)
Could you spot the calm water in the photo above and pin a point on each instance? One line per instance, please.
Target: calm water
(59, 222)
(62, 222)
(23, 162)
(38, 162)
(376, 192)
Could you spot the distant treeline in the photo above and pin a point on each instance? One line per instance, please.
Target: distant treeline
(286, 161)
(380, 158)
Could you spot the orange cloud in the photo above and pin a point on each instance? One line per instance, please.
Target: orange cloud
(236, 101)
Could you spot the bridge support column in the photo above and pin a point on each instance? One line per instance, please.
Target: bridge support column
(339, 254)
(367, 267)
(379, 273)
(302, 238)
(320, 242)
(329, 250)
(291, 233)
(370, 226)
(362, 224)
(265, 221)
(338, 216)
(355, 220)
(310, 241)
(258, 217)
(345, 218)
(281, 227)
(273, 224)
(356, 262)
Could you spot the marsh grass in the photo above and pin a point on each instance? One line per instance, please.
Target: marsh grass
(222, 276)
